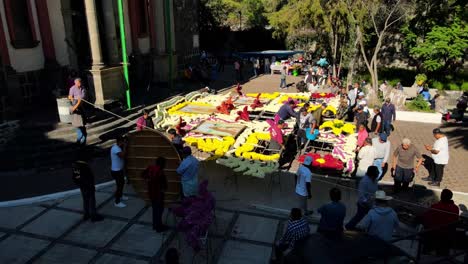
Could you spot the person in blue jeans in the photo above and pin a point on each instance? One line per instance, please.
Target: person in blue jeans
(366, 190)
(388, 114)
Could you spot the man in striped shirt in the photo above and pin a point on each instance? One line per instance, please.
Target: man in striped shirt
(297, 229)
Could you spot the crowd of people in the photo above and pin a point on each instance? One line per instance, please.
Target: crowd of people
(374, 157)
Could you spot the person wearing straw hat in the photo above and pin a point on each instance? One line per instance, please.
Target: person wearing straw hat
(381, 220)
(303, 179)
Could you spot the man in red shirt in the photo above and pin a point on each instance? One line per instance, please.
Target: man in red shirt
(157, 185)
(442, 217)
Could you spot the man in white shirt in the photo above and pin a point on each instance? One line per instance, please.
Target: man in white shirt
(382, 148)
(440, 157)
(117, 154)
(365, 157)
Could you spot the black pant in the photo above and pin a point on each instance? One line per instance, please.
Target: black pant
(89, 200)
(362, 211)
(436, 171)
(403, 177)
(120, 182)
(279, 250)
(158, 209)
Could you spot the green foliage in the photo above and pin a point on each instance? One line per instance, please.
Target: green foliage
(232, 13)
(419, 104)
(453, 87)
(464, 86)
(437, 85)
(420, 78)
(442, 46)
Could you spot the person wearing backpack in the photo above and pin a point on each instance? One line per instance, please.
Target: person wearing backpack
(82, 175)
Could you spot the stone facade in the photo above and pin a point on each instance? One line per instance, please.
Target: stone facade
(83, 36)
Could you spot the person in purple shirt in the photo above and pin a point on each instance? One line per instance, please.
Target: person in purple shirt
(388, 114)
(286, 111)
(76, 94)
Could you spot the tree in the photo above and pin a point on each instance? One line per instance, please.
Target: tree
(436, 36)
(326, 22)
(443, 47)
(373, 20)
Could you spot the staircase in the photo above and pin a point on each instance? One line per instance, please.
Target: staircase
(37, 148)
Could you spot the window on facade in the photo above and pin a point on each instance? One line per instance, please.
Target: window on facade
(142, 12)
(20, 23)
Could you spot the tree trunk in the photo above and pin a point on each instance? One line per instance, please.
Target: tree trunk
(352, 62)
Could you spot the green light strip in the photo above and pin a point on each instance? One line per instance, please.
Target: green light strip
(123, 41)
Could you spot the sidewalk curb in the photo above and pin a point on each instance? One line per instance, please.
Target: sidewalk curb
(48, 197)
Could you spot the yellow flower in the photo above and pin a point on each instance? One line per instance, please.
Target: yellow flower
(320, 160)
(329, 108)
(269, 96)
(348, 128)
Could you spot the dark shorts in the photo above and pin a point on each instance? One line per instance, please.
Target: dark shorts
(404, 175)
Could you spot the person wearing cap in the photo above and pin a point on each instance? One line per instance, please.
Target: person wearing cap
(286, 110)
(403, 169)
(276, 135)
(365, 157)
(382, 148)
(381, 220)
(376, 123)
(76, 94)
(440, 158)
(361, 117)
(144, 121)
(83, 177)
(188, 170)
(388, 113)
(366, 190)
(441, 219)
(303, 179)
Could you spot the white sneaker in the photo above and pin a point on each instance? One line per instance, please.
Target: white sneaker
(124, 198)
(120, 205)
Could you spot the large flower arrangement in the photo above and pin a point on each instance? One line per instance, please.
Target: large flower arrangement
(249, 167)
(338, 126)
(325, 162)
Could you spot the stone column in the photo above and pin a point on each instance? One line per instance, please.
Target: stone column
(93, 31)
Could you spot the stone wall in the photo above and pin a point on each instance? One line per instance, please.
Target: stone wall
(185, 27)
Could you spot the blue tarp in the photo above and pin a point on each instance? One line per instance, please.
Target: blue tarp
(268, 53)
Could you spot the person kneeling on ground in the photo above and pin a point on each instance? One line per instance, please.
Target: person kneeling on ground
(381, 220)
(157, 185)
(84, 178)
(333, 214)
(297, 229)
(441, 219)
